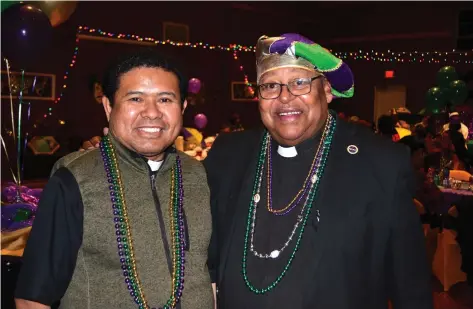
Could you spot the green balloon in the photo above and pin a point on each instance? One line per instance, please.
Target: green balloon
(435, 99)
(459, 92)
(6, 4)
(447, 94)
(445, 76)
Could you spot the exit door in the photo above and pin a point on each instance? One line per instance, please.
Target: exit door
(386, 98)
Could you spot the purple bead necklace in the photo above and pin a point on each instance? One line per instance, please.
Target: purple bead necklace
(123, 230)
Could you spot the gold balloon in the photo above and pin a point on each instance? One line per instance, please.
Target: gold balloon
(57, 11)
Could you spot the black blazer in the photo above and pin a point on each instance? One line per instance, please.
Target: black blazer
(370, 243)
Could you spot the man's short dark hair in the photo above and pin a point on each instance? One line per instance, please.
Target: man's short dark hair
(141, 59)
(386, 125)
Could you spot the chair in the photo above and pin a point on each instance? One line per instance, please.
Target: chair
(447, 264)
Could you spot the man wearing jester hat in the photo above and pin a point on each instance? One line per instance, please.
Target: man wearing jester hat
(311, 211)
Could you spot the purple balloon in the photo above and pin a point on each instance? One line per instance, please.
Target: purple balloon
(194, 86)
(200, 121)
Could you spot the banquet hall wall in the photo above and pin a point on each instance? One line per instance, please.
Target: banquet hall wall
(396, 26)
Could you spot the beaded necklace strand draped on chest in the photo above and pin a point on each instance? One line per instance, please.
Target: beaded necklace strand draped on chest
(297, 209)
(123, 230)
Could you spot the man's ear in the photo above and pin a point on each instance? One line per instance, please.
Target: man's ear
(184, 106)
(327, 90)
(107, 106)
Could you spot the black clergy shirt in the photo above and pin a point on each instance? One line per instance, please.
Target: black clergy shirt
(271, 232)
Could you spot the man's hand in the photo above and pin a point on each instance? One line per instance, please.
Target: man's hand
(27, 304)
(214, 288)
(94, 142)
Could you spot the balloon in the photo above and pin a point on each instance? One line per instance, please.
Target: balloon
(445, 76)
(200, 121)
(447, 94)
(194, 85)
(459, 92)
(7, 4)
(57, 11)
(26, 31)
(435, 99)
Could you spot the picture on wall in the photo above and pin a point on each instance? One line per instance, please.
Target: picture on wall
(37, 86)
(242, 92)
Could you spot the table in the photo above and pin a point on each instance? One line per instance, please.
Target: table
(453, 196)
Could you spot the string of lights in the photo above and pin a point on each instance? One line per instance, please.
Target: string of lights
(137, 38)
(409, 57)
(65, 80)
(368, 55)
(251, 87)
(436, 57)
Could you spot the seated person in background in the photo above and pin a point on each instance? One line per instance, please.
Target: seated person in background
(386, 127)
(427, 193)
(455, 124)
(420, 132)
(461, 158)
(452, 154)
(433, 144)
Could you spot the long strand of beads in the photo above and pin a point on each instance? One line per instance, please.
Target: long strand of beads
(305, 187)
(312, 195)
(275, 253)
(123, 230)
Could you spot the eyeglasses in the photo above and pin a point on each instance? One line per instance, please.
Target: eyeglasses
(296, 87)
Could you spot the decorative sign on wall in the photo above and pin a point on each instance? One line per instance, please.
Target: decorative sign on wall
(38, 86)
(241, 91)
(43, 145)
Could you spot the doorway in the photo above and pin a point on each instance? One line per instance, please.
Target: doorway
(387, 97)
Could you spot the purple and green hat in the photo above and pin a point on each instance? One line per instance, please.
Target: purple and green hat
(295, 51)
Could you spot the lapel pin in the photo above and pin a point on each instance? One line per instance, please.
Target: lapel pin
(352, 149)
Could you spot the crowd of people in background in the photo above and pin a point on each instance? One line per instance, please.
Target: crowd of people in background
(438, 145)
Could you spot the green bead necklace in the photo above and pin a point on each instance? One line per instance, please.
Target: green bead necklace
(251, 222)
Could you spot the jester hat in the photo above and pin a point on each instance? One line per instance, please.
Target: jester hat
(295, 51)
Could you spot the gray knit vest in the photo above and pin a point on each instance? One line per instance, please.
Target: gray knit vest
(98, 280)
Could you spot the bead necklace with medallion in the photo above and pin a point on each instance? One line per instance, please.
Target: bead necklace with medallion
(123, 229)
(308, 182)
(313, 175)
(326, 143)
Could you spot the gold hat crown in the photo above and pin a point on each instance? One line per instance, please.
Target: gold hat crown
(267, 61)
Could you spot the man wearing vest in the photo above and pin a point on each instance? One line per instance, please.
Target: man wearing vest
(125, 225)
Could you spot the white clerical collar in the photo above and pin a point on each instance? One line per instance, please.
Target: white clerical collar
(154, 165)
(287, 152)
